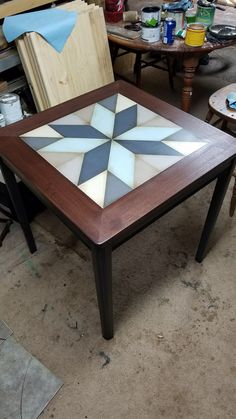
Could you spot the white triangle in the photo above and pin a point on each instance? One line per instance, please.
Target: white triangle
(44, 131)
(86, 113)
(123, 102)
(95, 188)
(160, 162)
(159, 121)
(71, 119)
(143, 172)
(71, 169)
(56, 159)
(185, 147)
(144, 115)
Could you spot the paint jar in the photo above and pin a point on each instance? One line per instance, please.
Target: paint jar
(2, 121)
(190, 16)
(10, 107)
(150, 27)
(195, 34)
(178, 16)
(205, 15)
(151, 34)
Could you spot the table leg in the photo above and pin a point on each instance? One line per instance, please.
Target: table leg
(17, 202)
(190, 64)
(215, 206)
(102, 264)
(138, 68)
(233, 199)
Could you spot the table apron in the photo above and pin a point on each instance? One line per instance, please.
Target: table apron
(139, 225)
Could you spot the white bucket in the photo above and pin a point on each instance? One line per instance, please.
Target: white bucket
(151, 34)
(10, 107)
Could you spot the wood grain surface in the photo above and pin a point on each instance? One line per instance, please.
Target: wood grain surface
(138, 208)
(83, 65)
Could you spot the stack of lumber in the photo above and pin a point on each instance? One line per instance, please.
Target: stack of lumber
(97, 2)
(83, 65)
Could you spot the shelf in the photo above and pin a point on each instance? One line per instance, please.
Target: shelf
(17, 6)
(9, 59)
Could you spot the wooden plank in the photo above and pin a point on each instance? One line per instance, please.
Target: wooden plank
(29, 74)
(17, 6)
(38, 80)
(83, 65)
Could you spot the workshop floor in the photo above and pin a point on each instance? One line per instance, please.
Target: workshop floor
(173, 354)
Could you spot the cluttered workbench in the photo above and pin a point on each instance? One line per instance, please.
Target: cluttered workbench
(189, 55)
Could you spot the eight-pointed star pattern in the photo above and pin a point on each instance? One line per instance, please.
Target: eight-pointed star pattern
(111, 147)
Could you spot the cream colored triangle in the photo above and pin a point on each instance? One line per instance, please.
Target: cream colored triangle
(44, 131)
(86, 113)
(185, 147)
(143, 172)
(71, 119)
(56, 159)
(123, 102)
(72, 168)
(160, 163)
(144, 115)
(95, 188)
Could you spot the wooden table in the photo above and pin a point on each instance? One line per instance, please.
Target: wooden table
(111, 162)
(189, 55)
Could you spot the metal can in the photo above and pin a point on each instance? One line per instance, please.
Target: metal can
(10, 107)
(178, 16)
(169, 30)
(2, 121)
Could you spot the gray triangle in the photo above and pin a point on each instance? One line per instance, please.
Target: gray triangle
(109, 103)
(39, 142)
(115, 189)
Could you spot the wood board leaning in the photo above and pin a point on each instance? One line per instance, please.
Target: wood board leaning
(82, 66)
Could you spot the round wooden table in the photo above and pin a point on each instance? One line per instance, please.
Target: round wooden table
(189, 55)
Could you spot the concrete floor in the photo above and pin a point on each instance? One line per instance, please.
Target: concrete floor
(173, 354)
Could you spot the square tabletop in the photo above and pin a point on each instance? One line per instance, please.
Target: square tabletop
(113, 157)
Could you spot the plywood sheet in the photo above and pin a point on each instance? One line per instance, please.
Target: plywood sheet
(83, 65)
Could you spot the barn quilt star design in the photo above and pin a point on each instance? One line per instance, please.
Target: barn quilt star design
(111, 147)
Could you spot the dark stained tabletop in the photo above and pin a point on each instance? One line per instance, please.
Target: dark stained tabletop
(111, 158)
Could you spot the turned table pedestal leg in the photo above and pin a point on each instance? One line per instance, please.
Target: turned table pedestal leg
(190, 64)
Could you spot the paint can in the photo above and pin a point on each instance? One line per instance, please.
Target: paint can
(178, 16)
(149, 14)
(2, 121)
(195, 34)
(151, 34)
(150, 27)
(10, 107)
(205, 15)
